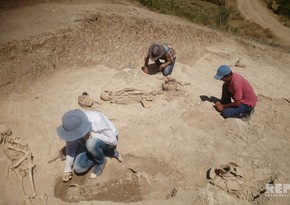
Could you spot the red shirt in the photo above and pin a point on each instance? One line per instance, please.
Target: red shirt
(241, 90)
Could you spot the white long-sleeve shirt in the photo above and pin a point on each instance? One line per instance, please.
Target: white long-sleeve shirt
(102, 128)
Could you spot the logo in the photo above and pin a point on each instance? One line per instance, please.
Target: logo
(280, 190)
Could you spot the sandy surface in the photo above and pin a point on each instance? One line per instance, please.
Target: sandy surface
(169, 145)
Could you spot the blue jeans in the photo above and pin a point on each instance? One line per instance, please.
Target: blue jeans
(237, 112)
(94, 154)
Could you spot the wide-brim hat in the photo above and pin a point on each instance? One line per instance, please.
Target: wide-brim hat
(75, 125)
(222, 71)
(156, 51)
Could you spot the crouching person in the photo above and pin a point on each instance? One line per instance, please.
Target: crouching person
(90, 136)
(235, 87)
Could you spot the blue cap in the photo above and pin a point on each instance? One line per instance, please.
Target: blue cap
(222, 71)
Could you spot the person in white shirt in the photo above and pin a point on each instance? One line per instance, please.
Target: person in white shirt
(90, 136)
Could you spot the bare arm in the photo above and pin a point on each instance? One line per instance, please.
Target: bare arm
(146, 60)
(169, 60)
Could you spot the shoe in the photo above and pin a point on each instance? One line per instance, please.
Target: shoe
(92, 175)
(98, 169)
(248, 115)
(118, 156)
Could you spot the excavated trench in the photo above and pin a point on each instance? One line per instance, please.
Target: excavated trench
(116, 41)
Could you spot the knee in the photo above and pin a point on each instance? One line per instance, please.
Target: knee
(225, 114)
(167, 71)
(166, 74)
(93, 145)
(78, 170)
(90, 146)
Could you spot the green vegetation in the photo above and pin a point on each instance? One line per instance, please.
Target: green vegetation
(280, 7)
(210, 12)
(221, 14)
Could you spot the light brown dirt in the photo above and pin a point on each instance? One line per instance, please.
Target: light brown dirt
(169, 145)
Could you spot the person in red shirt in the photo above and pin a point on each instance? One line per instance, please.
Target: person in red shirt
(235, 87)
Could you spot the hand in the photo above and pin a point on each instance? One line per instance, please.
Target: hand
(217, 103)
(66, 176)
(145, 69)
(219, 107)
(161, 66)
